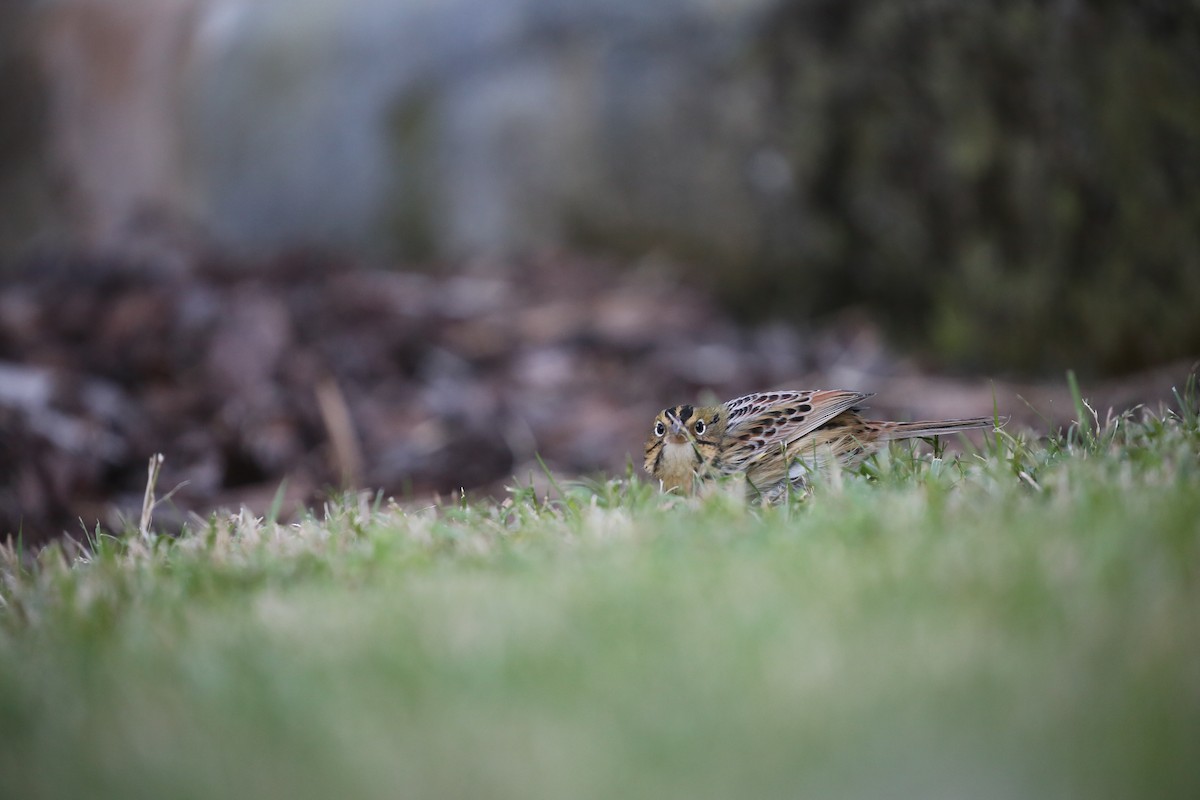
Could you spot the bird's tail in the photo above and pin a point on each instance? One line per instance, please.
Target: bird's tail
(911, 430)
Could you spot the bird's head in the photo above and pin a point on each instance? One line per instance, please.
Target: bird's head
(683, 440)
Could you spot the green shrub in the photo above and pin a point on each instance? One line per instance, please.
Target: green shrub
(1004, 184)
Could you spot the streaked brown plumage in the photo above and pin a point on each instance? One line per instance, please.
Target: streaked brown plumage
(775, 439)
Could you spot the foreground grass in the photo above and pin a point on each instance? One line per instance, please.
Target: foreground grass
(1023, 622)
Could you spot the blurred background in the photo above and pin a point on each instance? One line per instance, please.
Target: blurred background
(407, 244)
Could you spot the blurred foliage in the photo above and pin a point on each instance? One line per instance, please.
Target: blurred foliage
(1006, 184)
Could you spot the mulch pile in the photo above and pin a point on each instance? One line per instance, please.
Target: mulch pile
(328, 374)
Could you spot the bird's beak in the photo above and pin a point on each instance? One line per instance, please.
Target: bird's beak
(676, 434)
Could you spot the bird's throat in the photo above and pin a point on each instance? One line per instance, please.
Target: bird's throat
(678, 466)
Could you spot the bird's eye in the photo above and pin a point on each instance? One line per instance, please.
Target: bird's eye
(659, 428)
(699, 427)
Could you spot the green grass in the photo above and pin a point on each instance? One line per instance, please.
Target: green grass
(1022, 622)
